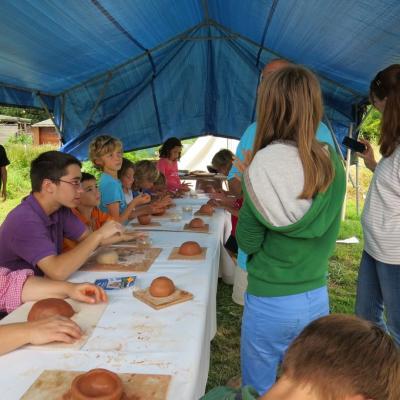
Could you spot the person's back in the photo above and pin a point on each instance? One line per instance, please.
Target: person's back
(288, 224)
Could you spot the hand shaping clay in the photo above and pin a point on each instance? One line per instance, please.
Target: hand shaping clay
(144, 219)
(50, 307)
(162, 287)
(196, 223)
(190, 249)
(109, 257)
(97, 384)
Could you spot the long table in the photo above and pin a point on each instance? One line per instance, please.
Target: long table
(131, 336)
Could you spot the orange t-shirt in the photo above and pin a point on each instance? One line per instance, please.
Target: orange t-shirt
(97, 219)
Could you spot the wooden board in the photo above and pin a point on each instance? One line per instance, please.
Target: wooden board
(179, 296)
(137, 225)
(167, 214)
(132, 259)
(174, 255)
(87, 316)
(55, 385)
(204, 229)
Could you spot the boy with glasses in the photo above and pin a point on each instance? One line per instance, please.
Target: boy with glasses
(32, 233)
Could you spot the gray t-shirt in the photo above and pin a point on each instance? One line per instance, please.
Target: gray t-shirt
(381, 214)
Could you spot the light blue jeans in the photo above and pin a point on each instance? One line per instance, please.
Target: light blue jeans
(269, 325)
(378, 289)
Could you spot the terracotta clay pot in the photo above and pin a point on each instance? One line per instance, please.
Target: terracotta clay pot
(206, 209)
(99, 384)
(160, 213)
(144, 219)
(196, 223)
(190, 249)
(162, 287)
(50, 307)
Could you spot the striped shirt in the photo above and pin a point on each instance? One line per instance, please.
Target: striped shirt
(381, 214)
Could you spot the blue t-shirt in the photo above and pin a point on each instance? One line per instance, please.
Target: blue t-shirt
(111, 192)
(246, 143)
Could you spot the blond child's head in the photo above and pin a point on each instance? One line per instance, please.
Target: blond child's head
(105, 151)
(146, 174)
(222, 161)
(344, 357)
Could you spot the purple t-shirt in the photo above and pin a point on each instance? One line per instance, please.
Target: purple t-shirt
(27, 235)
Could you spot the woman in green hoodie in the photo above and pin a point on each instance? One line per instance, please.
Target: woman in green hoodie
(293, 194)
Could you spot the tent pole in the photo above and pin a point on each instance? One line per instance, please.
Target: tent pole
(337, 146)
(49, 114)
(348, 158)
(357, 187)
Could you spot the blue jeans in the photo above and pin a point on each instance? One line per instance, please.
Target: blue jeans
(269, 325)
(378, 289)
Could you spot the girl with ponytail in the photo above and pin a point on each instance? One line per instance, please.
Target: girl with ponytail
(378, 287)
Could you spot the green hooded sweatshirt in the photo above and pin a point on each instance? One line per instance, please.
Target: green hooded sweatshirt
(292, 259)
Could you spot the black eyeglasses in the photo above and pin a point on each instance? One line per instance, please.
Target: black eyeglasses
(75, 184)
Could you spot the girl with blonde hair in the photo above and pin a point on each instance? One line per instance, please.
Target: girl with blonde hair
(293, 193)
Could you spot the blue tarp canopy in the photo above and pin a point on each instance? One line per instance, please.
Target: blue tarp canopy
(145, 70)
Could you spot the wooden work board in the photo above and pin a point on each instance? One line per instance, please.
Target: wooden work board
(131, 259)
(55, 385)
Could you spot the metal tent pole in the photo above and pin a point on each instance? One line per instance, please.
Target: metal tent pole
(348, 159)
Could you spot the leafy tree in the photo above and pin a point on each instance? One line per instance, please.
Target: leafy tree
(371, 125)
(35, 114)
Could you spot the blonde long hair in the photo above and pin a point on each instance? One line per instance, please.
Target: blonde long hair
(289, 108)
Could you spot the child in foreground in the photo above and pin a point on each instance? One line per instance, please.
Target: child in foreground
(106, 154)
(17, 287)
(338, 357)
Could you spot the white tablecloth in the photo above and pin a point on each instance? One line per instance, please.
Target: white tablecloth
(131, 336)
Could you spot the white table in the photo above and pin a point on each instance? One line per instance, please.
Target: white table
(131, 336)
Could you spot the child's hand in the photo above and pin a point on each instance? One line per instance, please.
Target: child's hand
(87, 293)
(185, 187)
(368, 155)
(53, 329)
(156, 208)
(110, 228)
(165, 201)
(143, 198)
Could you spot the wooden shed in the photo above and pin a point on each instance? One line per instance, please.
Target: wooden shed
(13, 126)
(44, 132)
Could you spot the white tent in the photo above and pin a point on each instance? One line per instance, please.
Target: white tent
(201, 152)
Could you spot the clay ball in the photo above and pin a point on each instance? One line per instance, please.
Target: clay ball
(108, 257)
(206, 209)
(97, 384)
(196, 223)
(50, 307)
(144, 219)
(162, 287)
(190, 249)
